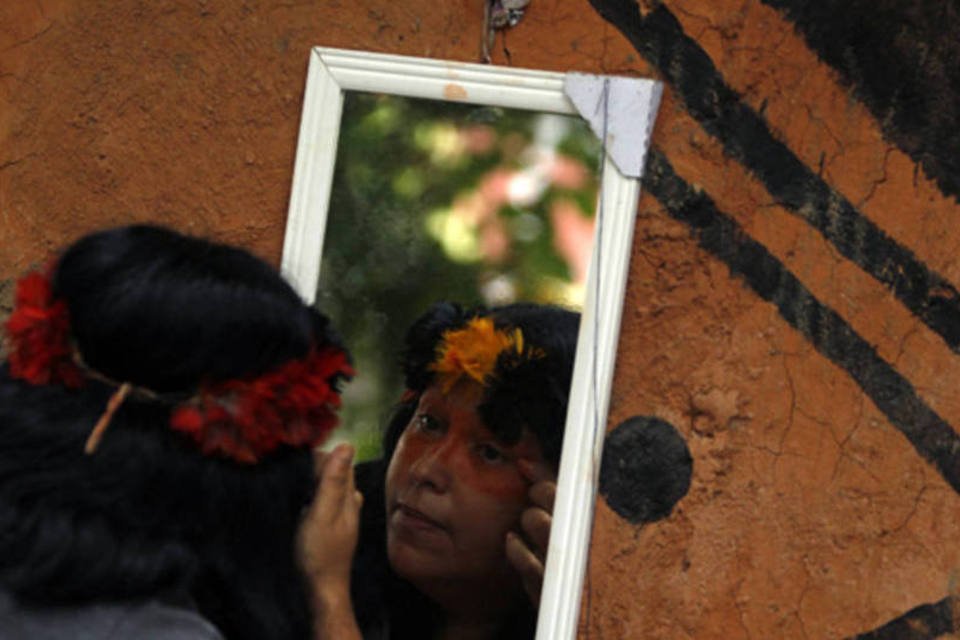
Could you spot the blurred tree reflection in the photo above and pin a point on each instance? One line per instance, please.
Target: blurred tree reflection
(443, 201)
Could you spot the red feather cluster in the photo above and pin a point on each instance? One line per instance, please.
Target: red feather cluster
(245, 419)
(239, 419)
(39, 335)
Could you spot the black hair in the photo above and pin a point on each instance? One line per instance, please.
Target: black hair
(524, 392)
(147, 514)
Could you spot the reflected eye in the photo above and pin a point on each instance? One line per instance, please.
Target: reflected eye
(490, 453)
(426, 423)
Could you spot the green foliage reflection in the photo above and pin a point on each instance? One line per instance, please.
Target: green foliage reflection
(442, 201)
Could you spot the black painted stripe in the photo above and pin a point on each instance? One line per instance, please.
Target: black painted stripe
(746, 137)
(720, 234)
(900, 60)
(926, 622)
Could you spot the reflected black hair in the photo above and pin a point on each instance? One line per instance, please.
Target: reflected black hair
(147, 515)
(530, 393)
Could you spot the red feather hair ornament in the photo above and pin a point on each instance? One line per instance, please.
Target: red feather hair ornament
(243, 419)
(39, 333)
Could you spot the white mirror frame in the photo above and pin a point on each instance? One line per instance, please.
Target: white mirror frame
(333, 71)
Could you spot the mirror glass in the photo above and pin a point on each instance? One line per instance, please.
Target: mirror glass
(436, 200)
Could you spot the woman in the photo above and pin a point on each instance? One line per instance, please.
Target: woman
(457, 515)
(158, 409)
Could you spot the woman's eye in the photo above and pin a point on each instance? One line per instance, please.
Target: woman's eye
(427, 423)
(490, 453)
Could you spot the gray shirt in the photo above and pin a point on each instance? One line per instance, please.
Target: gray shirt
(144, 620)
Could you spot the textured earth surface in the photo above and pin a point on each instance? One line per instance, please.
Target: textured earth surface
(791, 318)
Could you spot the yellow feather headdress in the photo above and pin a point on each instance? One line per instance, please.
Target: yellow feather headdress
(474, 350)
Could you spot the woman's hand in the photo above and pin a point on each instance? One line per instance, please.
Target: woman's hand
(327, 541)
(528, 553)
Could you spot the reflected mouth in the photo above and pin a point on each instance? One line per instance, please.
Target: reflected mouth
(408, 517)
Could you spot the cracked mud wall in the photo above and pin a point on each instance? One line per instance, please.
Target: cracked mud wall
(792, 310)
(186, 112)
(791, 314)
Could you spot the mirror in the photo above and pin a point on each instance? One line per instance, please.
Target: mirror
(437, 201)
(478, 96)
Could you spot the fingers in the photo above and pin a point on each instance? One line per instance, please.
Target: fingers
(543, 495)
(527, 554)
(328, 533)
(337, 465)
(336, 482)
(543, 483)
(320, 458)
(527, 564)
(536, 528)
(536, 472)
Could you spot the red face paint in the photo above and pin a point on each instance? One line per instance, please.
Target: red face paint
(447, 433)
(453, 492)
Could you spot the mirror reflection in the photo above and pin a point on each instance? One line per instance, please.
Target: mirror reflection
(455, 260)
(443, 201)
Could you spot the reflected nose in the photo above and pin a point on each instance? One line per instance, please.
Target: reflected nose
(434, 468)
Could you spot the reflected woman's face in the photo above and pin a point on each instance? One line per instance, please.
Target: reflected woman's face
(453, 492)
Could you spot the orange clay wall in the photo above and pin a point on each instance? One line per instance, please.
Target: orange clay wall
(783, 458)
